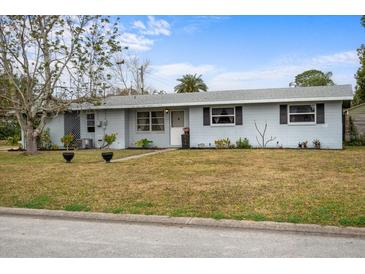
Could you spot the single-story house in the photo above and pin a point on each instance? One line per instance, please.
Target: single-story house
(292, 115)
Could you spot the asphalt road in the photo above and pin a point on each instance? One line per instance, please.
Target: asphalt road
(33, 237)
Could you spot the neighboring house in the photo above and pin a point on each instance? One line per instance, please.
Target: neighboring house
(292, 115)
(357, 114)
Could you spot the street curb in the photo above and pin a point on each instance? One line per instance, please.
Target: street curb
(186, 221)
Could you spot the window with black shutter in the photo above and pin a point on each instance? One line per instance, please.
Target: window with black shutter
(302, 114)
(206, 116)
(320, 114)
(283, 114)
(239, 119)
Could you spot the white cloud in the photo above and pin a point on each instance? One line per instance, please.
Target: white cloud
(179, 69)
(153, 27)
(139, 41)
(346, 57)
(136, 42)
(139, 25)
(278, 74)
(284, 72)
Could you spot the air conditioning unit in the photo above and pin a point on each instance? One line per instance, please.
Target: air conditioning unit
(86, 143)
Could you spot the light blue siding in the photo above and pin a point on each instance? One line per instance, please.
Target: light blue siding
(115, 124)
(329, 134)
(56, 129)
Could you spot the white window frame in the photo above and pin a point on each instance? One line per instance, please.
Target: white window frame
(222, 125)
(301, 113)
(150, 121)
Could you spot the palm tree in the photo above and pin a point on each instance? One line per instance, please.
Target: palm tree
(191, 83)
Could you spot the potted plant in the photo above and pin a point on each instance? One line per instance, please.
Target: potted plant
(67, 140)
(108, 139)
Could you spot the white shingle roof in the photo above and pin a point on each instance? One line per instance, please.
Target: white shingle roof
(322, 93)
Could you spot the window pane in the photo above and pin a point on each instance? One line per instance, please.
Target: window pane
(144, 121)
(143, 127)
(157, 114)
(143, 114)
(158, 127)
(222, 111)
(90, 116)
(157, 121)
(301, 108)
(90, 129)
(223, 120)
(302, 118)
(177, 119)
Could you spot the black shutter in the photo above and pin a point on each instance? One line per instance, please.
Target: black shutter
(239, 116)
(283, 114)
(206, 116)
(320, 113)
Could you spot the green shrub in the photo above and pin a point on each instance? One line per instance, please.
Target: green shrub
(13, 140)
(109, 139)
(67, 140)
(316, 143)
(144, 143)
(222, 143)
(243, 143)
(54, 147)
(45, 141)
(9, 129)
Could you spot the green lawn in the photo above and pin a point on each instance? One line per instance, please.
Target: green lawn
(300, 186)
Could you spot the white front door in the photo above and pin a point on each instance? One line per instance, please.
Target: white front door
(176, 128)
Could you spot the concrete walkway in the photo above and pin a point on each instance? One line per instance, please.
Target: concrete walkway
(22, 236)
(142, 155)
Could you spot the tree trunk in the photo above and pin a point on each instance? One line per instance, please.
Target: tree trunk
(31, 140)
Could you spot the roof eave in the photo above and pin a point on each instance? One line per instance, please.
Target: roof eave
(209, 103)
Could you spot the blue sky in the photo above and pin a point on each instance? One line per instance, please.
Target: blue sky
(237, 52)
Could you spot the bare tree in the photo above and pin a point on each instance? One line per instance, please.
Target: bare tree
(130, 72)
(138, 69)
(263, 143)
(52, 61)
(120, 71)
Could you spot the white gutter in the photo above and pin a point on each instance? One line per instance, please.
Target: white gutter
(256, 101)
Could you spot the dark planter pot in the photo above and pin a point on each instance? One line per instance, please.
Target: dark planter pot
(107, 156)
(68, 156)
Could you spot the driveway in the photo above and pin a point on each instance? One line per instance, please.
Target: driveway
(34, 237)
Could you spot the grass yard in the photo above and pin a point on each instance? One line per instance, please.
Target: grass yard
(299, 186)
